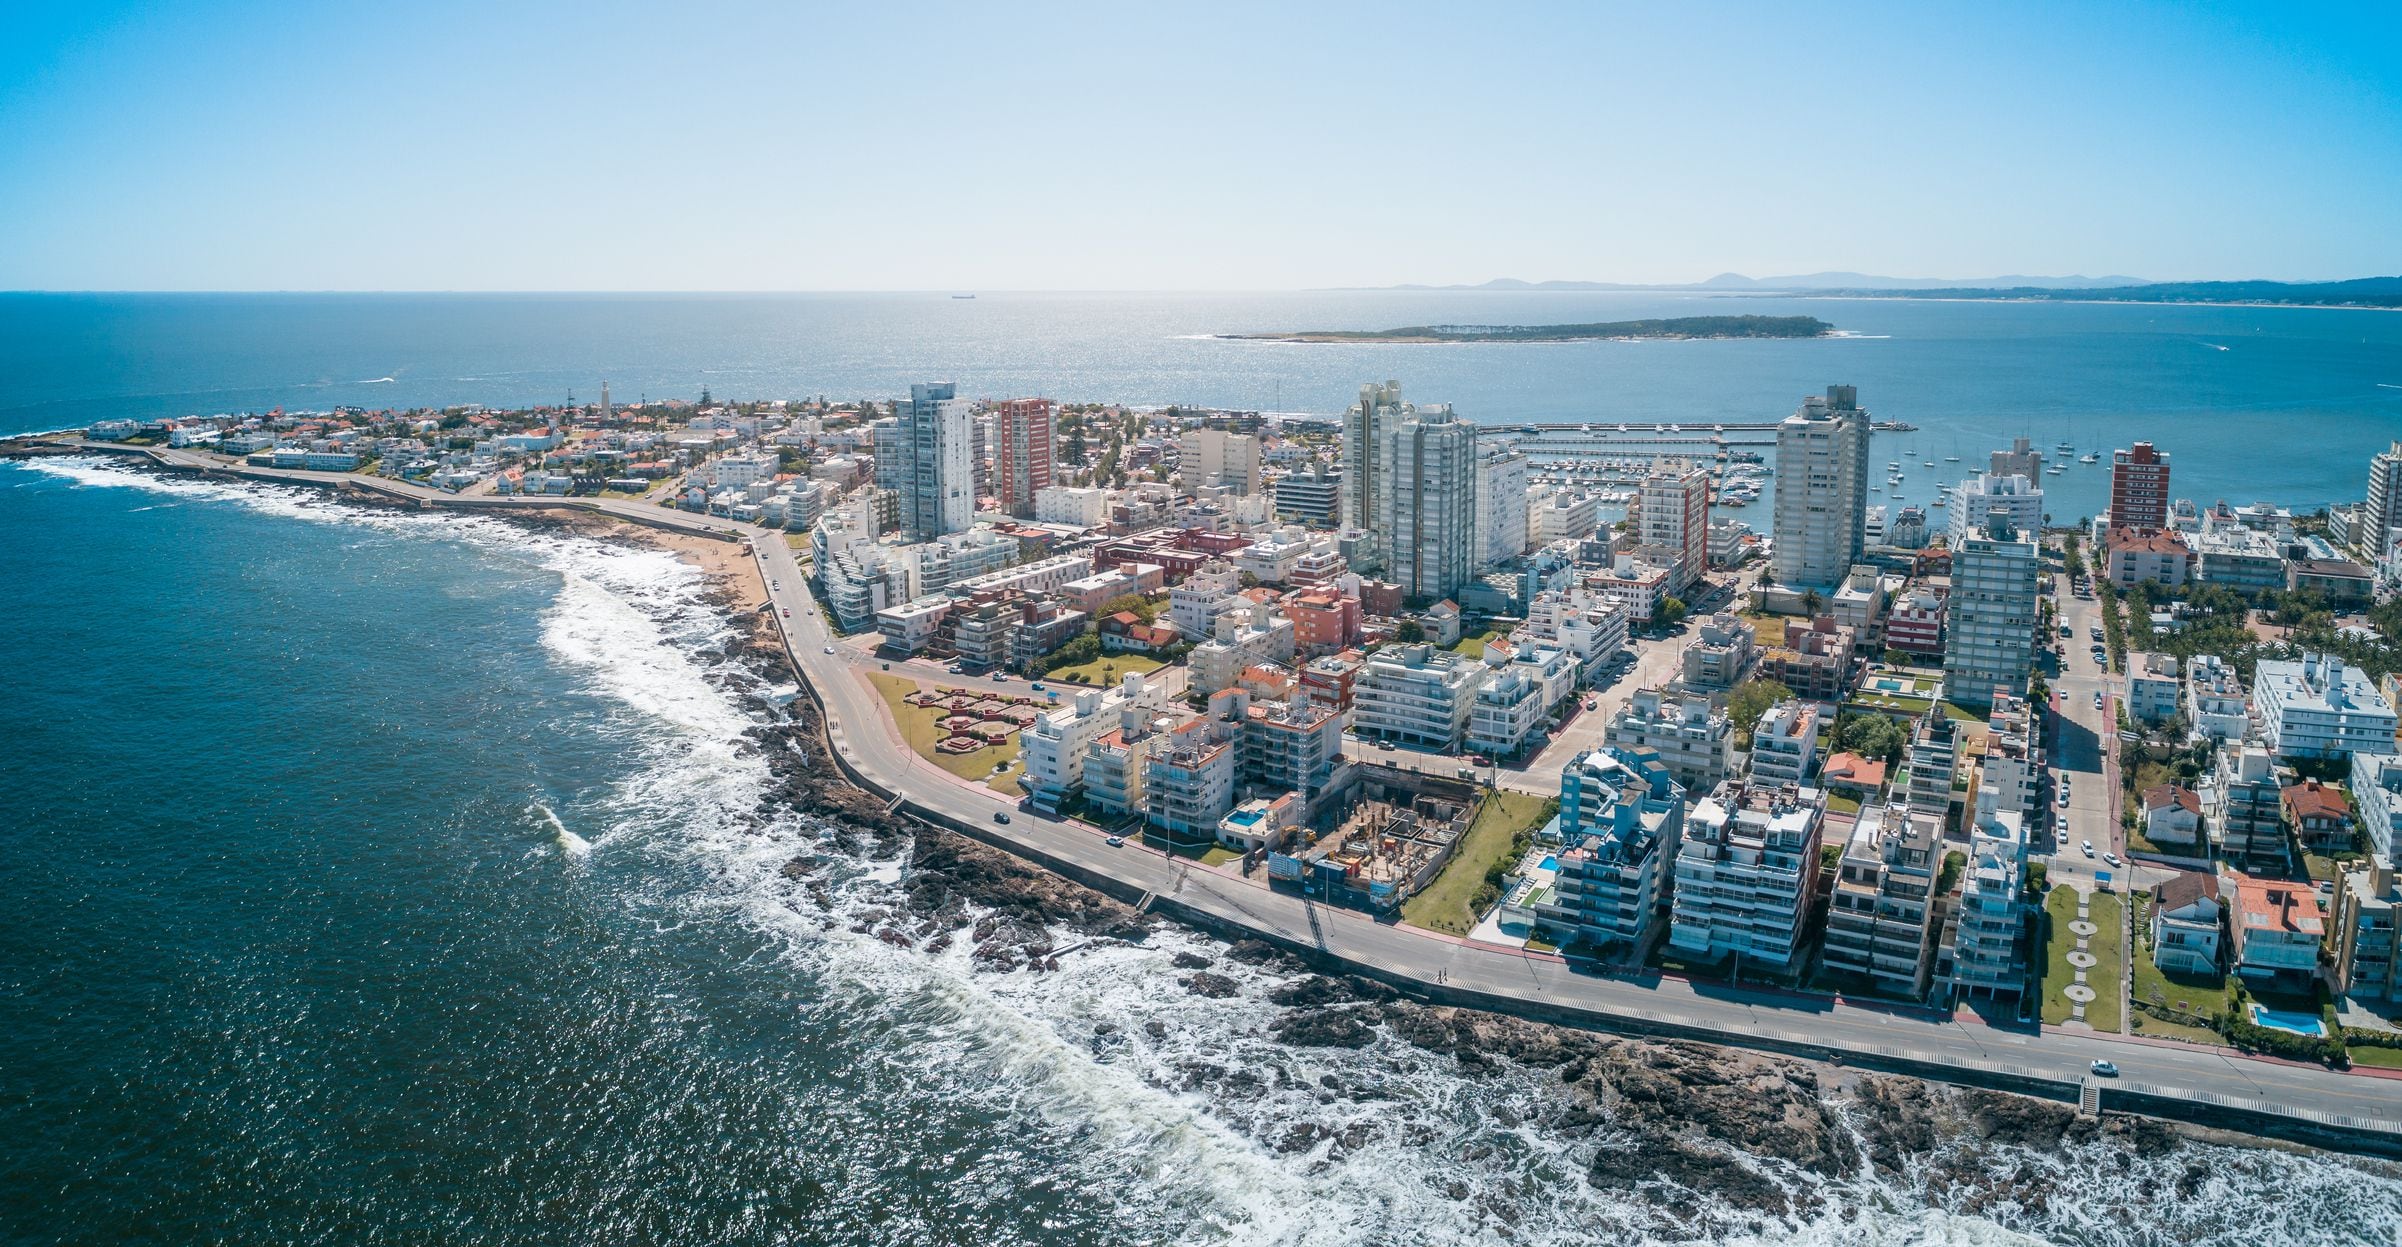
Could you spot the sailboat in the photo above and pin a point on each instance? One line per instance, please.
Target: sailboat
(1954, 457)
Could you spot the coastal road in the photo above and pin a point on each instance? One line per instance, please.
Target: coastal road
(1513, 979)
(1504, 980)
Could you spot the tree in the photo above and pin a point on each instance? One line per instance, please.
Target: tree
(1812, 603)
(1750, 700)
(1410, 632)
(1141, 606)
(1873, 736)
(1671, 610)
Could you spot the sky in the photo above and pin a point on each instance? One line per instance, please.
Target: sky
(725, 146)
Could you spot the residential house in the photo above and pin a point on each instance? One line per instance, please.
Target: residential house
(2172, 817)
(2185, 923)
(2275, 931)
(2318, 815)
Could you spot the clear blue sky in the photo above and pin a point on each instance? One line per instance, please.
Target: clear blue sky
(704, 146)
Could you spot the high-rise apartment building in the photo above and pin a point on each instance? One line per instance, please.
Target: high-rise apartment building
(1364, 427)
(1501, 478)
(1217, 457)
(2138, 487)
(925, 455)
(1022, 465)
(2383, 512)
(1745, 873)
(1990, 640)
(1672, 521)
(1426, 494)
(1822, 489)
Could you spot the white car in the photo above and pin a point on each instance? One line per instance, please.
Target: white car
(2112, 858)
(829, 649)
(2088, 846)
(2103, 1069)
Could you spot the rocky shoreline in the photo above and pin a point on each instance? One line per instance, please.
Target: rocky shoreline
(1677, 1123)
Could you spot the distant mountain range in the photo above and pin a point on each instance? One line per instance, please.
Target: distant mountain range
(2356, 292)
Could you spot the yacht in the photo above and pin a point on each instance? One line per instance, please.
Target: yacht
(1943, 502)
(2054, 470)
(2091, 456)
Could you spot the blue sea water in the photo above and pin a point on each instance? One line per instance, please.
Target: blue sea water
(2215, 386)
(377, 878)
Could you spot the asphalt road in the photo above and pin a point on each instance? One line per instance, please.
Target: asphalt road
(862, 732)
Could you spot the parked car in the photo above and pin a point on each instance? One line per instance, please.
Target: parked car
(954, 668)
(2088, 848)
(788, 612)
(1384, 744)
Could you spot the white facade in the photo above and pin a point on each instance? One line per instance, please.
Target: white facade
(2152, 687)
(1822, 489)
(1991, 619)
(1054, 745)
(1073, 505)
(1416, 694)
(1784, 745)
(1744, 876)
(1195, 602)
(1217, 457)
(1988, 926)
(1694, 739)
(2214, 699)
(1427, 492)
(2377, 795)
(2319, 707)
(925, 455)
(1501, 531)
(1980, 496)
(1672, 521)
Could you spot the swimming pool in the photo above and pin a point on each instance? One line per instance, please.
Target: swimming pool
(2283, 1020)
(1551, 862)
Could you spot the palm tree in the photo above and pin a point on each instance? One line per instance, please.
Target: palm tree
(1811, 602)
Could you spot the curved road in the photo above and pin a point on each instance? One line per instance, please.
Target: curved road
(859, 726)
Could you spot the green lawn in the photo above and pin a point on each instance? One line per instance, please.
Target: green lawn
(2106, 975)
(1962, 712)
(1107, 670)
(2382, 1058)
(2183, 993)
(918, 728)
(1474, 646)
(1838, 803)
(1448, 903)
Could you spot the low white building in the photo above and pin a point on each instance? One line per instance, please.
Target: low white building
(1784, 744)
(2319, 707)
(1416, 695)
(1054, 746)
(2214, 700)
(2152, 687)
(1694, 739)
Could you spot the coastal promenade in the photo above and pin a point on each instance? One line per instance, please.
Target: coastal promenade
(2357, 1112)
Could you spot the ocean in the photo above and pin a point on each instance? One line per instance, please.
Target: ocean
(387, 878)
(2210, 385)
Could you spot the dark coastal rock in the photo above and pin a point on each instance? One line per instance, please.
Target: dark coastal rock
(1192, 961)
(1326, 1028)
(1260, 953)
(1212, 986)
(1320, 989)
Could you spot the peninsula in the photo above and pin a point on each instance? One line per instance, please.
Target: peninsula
(1671, 327)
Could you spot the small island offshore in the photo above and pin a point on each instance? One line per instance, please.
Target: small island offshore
(1673, 327)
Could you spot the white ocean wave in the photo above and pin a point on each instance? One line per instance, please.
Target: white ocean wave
(1182, 1103)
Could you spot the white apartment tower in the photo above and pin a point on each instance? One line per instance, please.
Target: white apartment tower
(1364, 427)
(1426, 496)
(1672, 521)
(1501, 479)
(925, 455)
(1822, 489)
(2384, 510)
(1989, 629)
